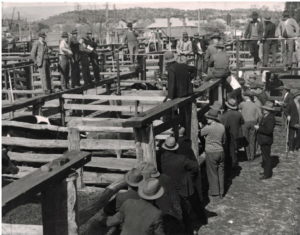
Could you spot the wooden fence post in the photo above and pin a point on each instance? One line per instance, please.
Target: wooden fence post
(74, 144)
(59, 208)
(144, 68)
(145, 144)
(62, 111)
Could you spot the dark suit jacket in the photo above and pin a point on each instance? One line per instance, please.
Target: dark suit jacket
(292, 111)
(232, 121)
(138, 217)
(288, 99)
(39, 52)
(179, 80)
(179, 168)
(265, 130)
(260, 30)
(122, 197)
(74, 45)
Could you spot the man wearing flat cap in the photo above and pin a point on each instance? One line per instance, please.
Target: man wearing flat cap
(39, 54)
(211, 50)
(287, 29)
(268, 44)
(184, 48)
(254, 32)
(131, 39)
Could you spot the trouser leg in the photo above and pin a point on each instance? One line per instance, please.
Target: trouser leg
(44, 72)
(233, 152)
(212, 173)
(274, 52)
(291, 139)
(95, 65)
(266, 51)
(266, 154)
(64, 72)
(131, 52)
(221, 173)
(186, 214)
(254, 50)
(290, 50)
(252, 142)
(75, 73)
(284, 52)
(85, 71)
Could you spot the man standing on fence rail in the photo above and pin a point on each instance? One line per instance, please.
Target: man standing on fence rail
(131, 40)
(64, 56)
(75, 70)
(92, 45)
(39, 54)
(254, 32)
(211, 50)
(184, 48)
(288, 28)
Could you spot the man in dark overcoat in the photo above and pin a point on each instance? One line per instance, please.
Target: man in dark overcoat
(265, 131)
(293, 120)
(179, 168)
(93, 55)
(75, 69)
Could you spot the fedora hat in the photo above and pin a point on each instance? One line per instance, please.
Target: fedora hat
(267, 18)
(286, 14)
(169, 57)
(248, 94)
(254, 13)
(196, 35)
(150, 169)
(215, 35)
(216, 105)
(150, 189)
(170, 144)
(129, 25)
(268, 106)
(42, 34)
(133, 177)
(212, 114)
(231, 103)
(74, 31)
(64, 35)
(185, 34)
(220, 45)
(89, 32)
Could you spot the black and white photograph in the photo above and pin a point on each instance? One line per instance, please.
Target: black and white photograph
(162, 117)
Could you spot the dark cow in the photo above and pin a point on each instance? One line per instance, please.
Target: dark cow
(144, 86)
(7, 165)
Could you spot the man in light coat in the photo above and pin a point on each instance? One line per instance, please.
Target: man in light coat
(287, 29)
(39, 54)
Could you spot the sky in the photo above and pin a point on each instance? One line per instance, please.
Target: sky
(35, 10)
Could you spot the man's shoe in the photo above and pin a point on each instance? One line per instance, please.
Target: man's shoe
(264, 178)
(261, 173)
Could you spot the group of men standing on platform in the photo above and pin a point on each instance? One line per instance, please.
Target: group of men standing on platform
(75, 56)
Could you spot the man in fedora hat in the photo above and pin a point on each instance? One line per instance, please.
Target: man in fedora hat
(75, 69)
(64, 56)
(131, 39)
(251, 114)
(214, 134)
(179, 168)
(141, 217)
(233, 120)
(254, 32)
(287, 29)
(198, 54)
(84, 60)
(40, 56)
(184, 48)
(259, 89)
(287, 96)
(268, 44)
(93, 55)
(211, 50)
(219, 63)
(265, 131)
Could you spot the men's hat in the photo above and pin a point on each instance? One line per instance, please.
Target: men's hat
(64, 35)
(129, 25)
(286, 14)
(216, 105)
(181, 131)
(215, 35)
(254, 14)
(74, 31)
(196, 35)
(42, 34)
(248, 93)
(241, 81)
(252, 76)
(169, 57)
(212, 114)
(267, 18)
(150, 189)
(89, 32)
(170, 144)
(231, 103)
(185, 34)
(220, 45)
(256, 85)
(133, 177)
(268, 106)
(285, 87)
(149, 168)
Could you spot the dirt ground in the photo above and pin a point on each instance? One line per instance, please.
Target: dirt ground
(250, 206)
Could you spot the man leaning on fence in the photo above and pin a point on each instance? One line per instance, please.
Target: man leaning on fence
(268, 44)
(39, 54)
(64, 57)
(287, 29)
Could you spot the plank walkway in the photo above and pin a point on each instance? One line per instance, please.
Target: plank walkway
(252, 206)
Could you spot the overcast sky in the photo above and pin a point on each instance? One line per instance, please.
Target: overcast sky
(34, 10)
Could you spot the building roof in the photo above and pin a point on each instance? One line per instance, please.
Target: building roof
(175, 22)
